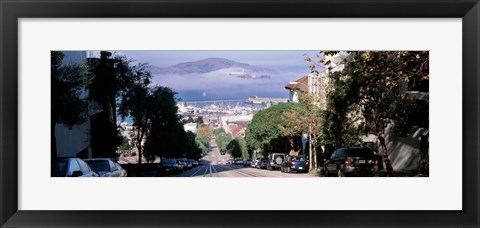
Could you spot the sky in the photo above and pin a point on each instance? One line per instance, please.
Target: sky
(288, 66)
(262, 58)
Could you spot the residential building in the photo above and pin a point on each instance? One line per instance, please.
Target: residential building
(192, 127)
(75, 141)
(296, 87)
(229, 123)
(237, 128)
(319, 86)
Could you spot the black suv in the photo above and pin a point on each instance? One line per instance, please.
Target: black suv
(359, 161)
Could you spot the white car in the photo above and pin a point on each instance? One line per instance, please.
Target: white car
(72, 167)
(106, 167)
(219, 162)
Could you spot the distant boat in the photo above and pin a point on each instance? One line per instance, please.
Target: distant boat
(204, 93)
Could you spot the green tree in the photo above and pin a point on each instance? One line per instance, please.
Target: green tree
(205, 131)
(238, 148)
(263, 131)
(190, 146)
(112, 77)
(304, 118)
(293, 125)
(125, 146)
(137, 103)
(68, 82)
(202, 139)
(166, 133)
(201, 149)
(222, 138)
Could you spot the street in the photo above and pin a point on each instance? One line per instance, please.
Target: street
(235, 171)
(210, 168)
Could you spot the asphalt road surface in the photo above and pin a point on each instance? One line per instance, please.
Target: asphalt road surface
(211, 168)
(235, 171)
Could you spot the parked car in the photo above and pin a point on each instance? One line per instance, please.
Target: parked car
(183, 163)
(169, 166)
(351, 161)
(294, 163)
(238, 162)
(255, 162)
(194, 162)
(275, 161)
(72, 167)
(189, 164)
(247, 162)
(379, 159)
(106, 167)
(262, 163)
(230, 162)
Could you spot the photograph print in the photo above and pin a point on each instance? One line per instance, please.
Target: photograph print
(240, 113)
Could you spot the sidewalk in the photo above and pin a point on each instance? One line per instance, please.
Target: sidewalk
(382, 173)
(401, 173)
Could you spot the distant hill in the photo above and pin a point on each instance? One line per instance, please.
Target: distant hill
(207, 65)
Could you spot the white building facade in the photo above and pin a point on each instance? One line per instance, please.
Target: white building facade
(75, 141)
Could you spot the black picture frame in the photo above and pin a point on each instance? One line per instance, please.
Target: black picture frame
(12, 10)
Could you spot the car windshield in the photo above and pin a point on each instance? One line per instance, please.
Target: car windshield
(99, 165)
(360, 152)
(60, 168)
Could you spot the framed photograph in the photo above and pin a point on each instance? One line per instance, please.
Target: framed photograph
(239, 113)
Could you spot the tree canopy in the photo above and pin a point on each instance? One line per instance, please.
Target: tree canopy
(205, 131)
(68, 83)
(263, 132)
(166, 133)
(222, 138)
(238, 148)
(114, 79)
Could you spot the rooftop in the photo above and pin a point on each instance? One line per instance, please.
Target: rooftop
(299, 84)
